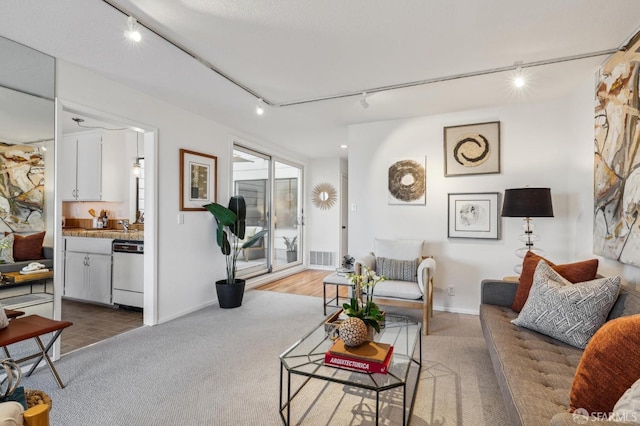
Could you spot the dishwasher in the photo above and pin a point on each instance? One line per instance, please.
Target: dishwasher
(128, 273)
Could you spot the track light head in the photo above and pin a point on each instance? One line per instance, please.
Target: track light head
(260, 107)
(363, 101)
(518, 77)
(132, 32)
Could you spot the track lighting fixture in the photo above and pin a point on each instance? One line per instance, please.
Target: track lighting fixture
(260, 107)
(363, 101)
(132, 32)
(518, 78)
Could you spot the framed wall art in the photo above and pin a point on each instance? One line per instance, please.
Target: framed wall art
(472, 149)
(473, 215)
(407, 183)
(616, 234)
(198, 180)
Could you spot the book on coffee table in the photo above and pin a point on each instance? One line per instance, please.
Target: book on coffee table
(370, 357)
(360, 365)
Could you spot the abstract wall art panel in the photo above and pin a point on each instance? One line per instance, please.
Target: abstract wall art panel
(616, 228)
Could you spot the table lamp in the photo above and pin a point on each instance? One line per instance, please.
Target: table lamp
(527, 203)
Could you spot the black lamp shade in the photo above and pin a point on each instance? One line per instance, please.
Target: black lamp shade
(527, 202)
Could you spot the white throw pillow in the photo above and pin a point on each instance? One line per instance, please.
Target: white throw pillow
(627, 409)
(571, 313)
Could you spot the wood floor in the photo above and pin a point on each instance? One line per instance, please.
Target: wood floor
(306, 283)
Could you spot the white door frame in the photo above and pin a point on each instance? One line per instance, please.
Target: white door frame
(150, 315)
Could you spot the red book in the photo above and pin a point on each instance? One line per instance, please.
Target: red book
(359, 365)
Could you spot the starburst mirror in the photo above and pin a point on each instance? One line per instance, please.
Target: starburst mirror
(324, 196)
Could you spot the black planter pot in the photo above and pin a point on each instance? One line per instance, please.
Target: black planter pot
(230, 295)
(292, 256)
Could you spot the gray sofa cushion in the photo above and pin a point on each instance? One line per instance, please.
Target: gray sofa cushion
(535, 372)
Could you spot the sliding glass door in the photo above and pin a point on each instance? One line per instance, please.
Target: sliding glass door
(272, 190)
(287, 214)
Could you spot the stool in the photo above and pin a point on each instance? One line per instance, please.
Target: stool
(32, 327)
(337, 281)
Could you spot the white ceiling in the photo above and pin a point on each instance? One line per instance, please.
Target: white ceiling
(291, 50)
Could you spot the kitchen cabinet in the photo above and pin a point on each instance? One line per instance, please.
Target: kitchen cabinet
(87, 269)
(93, 165)
(81, 156)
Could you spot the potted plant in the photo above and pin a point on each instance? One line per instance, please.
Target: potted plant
(367, 310)
(229, 236)
(292, 248)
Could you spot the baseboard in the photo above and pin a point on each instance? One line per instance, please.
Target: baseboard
(187, 311)
(457, 310)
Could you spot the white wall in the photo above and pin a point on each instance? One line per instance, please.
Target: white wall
(323, 226)
(189, 261)
(538, 145)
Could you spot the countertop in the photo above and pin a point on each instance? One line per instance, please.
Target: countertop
(116, 234)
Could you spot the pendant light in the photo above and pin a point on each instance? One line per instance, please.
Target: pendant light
(136, 168)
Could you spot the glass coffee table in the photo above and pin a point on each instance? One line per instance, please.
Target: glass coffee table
(306, 358)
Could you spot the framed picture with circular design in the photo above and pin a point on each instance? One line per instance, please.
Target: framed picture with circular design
(472, 149)
(407, 183)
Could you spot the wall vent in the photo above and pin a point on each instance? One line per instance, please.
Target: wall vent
(321, 258)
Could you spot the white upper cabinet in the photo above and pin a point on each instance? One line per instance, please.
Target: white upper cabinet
(82, 167)
(93, 167)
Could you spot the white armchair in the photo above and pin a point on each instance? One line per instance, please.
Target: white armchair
(409, 276)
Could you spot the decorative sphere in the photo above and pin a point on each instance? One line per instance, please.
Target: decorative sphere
(353, 331)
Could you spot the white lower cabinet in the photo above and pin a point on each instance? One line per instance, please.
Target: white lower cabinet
(87, 269)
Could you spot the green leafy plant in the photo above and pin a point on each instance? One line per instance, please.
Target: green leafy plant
(367, 310)
(291, 244)
(230, 231)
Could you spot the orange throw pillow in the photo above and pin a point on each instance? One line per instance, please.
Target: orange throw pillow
(29, 247)
(609, 366)
(575, 272)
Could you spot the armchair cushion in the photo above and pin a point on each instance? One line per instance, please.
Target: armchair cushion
(394, 269)
(399, 289)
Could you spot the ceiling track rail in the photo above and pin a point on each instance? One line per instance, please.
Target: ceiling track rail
(187, 51)
(368, 91)
(453, 77)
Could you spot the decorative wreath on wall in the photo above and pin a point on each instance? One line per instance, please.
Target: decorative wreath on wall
(324, 196)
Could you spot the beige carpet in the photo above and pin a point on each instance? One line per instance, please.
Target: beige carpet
(221, 367)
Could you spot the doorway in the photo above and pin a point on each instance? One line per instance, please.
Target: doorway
(133, 151)
(272, 189)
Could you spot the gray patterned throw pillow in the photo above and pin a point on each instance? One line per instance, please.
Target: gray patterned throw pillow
(571, 313)
(394, 269)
